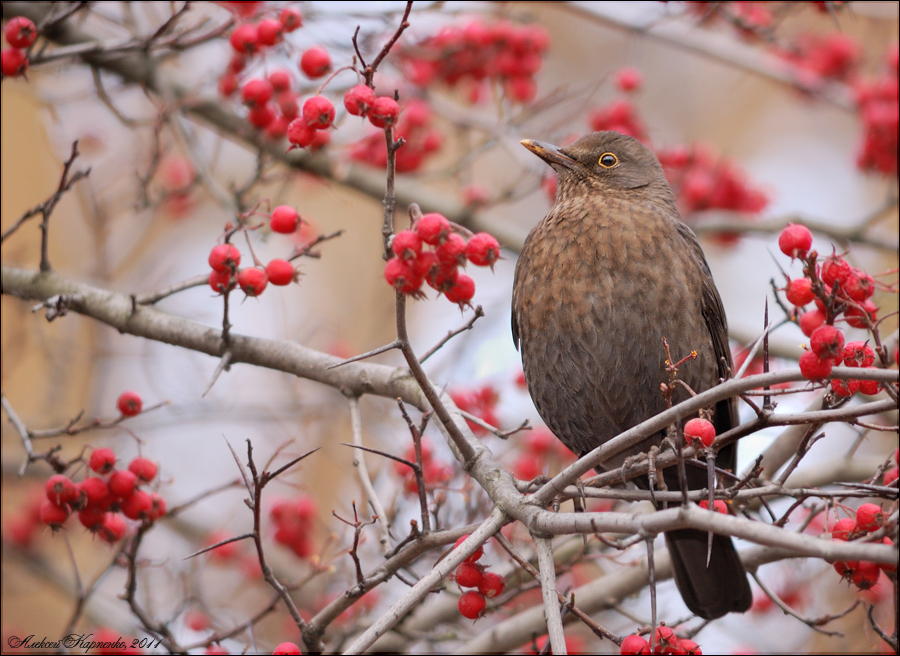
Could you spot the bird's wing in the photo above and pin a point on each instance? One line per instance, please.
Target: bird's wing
(714, 316)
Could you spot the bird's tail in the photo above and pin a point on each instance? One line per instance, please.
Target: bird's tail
(713, 590)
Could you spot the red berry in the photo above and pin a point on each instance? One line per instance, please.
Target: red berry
(869, 517)
(291, 19)
(845, 388)
(541, 440)
(665, 638)
(478, 553)
(122, 483)
(262, 116)
(891, 475)
(462, 290)
(280, 272)
(858, 354)
(433, 228)
(835, 270)
(491, 585)
(859, 318)
(224, 258)
(869, 387)
(252, 281)
(287, 103)
(228, 85)
(700, 429)
(718, 505)
(476, 195)
(221, 282)
(269, 31)
(402, 276)
(811, 320)
(20, 32)
(315, 62)
(427, 265)
(137, 505)
(471, 605)
(359, 100)
(285, 219)
(813, 368)
(384, 112)
(799, 292)
(280, 80)
(256, 92)
(795, 240)
(287, 648)
(827, 342)
(521, 88)
(245, 39)
(318, 112)
(92, 518)
(527, 467)
(144, 468)
(94, 493)
(13, 62)
(129, 403)
(483, 249)
(453, 251)
(859, 285)
(61, 490)
(469, 575)
(843, 529)
(300, 134)
(634, 644)
(407, 245)
(628, 79)
(103, 460)
(866, 575)
(157, 507)
(689, 647)
(53, 515)
(113, 528)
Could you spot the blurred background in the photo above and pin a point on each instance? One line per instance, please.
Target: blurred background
(739, 90)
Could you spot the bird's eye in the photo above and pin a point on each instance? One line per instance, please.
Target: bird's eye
(608, 160)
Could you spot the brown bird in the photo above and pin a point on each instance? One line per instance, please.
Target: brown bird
(608, 273)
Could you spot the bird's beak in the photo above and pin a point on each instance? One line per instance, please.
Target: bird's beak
(549, 153)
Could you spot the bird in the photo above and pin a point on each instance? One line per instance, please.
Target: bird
(600, 281)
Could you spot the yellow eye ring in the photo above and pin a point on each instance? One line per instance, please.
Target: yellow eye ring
(608, 160)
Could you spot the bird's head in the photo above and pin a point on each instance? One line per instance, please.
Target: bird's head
(603, 162)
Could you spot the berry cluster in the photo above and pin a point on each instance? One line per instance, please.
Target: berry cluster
(272, 101)
(434, 470)
(100, 501)
(413, 126)
(486, 585)
(752, 21)
(666, 643)
(20, 33)
(878, 110)
(815, 57)
(293, 521)
(479, 401)
(414, 264)
(703, 181)
(867, 518)
(224, 260)
(840, 292)
(477, 54)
